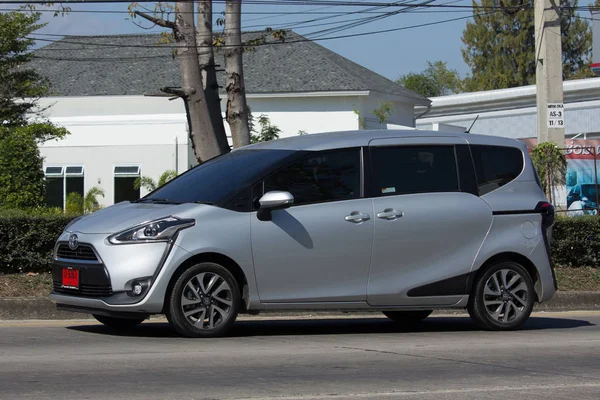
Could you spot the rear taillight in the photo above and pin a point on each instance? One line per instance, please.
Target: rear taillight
(547, 211)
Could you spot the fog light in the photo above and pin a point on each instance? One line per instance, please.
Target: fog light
(137, 288)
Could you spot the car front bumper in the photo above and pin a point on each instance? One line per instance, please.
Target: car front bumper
(108, 272)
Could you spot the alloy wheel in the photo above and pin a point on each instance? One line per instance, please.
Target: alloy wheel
(206, 300)
(505, 295)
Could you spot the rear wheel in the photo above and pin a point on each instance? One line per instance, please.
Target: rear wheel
(408, 316)
(503, 297)
(204, 301)
(119, 323)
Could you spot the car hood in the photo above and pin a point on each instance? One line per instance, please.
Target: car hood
(125, 215)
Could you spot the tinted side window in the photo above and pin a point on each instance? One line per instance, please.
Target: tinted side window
(321, 177)
(414, 169)
(496, 166)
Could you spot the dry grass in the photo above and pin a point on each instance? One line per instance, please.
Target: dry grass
(25, 285)
(575, 279)
(30, 285)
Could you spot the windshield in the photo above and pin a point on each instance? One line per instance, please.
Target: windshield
(218, 179)
(589, 191)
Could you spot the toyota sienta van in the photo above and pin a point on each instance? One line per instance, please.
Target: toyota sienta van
(402, 222)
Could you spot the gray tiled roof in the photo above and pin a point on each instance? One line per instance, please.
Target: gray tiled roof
(77, 66)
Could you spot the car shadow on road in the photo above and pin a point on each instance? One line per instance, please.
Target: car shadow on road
(333, 326)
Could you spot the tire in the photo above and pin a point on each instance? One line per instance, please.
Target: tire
(210, 308)
(121, 324)
(409, 317)
(503, 286)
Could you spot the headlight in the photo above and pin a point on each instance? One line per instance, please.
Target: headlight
(161, 230)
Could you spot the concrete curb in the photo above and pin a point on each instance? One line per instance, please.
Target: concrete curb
(28, 308)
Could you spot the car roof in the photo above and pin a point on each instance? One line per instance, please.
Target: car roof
(359, 138)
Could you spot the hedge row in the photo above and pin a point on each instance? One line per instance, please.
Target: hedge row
(27, 240)
(576, 242)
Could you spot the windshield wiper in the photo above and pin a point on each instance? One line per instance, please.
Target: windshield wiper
(208, 203)
(157, 201)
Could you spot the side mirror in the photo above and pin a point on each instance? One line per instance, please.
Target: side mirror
(273, 201)
(584, 199)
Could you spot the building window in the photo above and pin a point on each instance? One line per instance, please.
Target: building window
(125, 176)
(62, 180)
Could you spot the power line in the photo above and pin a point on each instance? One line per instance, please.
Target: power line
(271, 14)
(364, 21)
(373, 10)
(302, 40)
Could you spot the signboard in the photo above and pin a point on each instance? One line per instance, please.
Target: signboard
(556, 115)
(583, 174)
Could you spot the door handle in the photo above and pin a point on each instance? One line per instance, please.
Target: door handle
(356, 216)
(390, 213)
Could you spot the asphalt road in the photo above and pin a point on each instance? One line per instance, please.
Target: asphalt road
(557, 356)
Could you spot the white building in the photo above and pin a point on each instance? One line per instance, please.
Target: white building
(103, 89)
(512, 112)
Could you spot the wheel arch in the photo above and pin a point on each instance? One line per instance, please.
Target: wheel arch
(217, 258)
(507, 257)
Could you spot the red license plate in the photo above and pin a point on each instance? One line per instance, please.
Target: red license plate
(70, 278)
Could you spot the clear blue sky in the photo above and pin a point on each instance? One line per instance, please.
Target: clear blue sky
(390, 54)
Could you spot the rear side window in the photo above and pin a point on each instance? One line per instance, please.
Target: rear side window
(321, 177)
(414, 169)
(496, 166)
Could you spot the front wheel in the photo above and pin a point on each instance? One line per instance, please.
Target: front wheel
(503, 297)
(204, 302)
(409, 317)
(119, 323)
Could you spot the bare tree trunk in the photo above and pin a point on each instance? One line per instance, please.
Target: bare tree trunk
(206, 59)
(201, 129)
(237, 109)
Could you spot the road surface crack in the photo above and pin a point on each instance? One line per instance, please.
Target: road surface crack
(454, 360)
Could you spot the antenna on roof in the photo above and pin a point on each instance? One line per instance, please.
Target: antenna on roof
(469, 130)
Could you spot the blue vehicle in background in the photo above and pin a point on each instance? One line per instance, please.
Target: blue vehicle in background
(582, 199)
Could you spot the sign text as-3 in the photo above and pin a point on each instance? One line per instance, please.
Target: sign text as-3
(556, 115)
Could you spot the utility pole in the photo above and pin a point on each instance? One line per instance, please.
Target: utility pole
(548, 76)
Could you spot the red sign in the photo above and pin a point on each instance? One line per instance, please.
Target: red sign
(578, 149)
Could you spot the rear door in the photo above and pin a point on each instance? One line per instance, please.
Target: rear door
(429, 221)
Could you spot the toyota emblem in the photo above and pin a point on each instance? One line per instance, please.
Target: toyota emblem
(73, 242)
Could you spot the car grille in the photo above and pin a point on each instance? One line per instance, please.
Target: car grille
(85, 290)
(83, 252)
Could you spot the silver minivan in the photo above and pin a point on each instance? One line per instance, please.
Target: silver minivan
(402, 222)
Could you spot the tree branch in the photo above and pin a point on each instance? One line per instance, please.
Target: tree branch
(157, 21)
(180, 92)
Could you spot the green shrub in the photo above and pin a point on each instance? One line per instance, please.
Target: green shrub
(74, 203)
(27, 239)
(21, 175)
(576, 241)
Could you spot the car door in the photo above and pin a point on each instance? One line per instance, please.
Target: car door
(429, 221)
(319, 249)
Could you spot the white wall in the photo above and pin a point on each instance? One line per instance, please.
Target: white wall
(310, 114)
(156, 143)
(402, 113)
